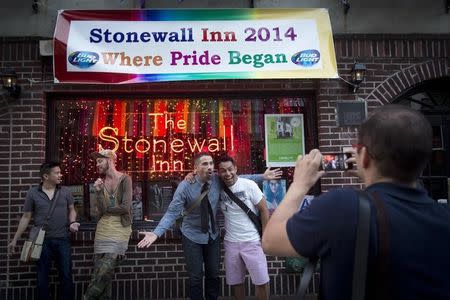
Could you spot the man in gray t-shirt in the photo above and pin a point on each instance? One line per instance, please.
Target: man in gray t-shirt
(57, 240)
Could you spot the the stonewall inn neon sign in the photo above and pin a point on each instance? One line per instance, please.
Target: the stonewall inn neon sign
(173, 148)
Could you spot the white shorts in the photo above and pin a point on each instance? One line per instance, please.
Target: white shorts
(242, 256)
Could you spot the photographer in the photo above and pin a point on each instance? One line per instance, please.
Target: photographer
(394, 145)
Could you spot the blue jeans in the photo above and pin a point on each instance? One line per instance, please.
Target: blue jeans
(59, 250)
(196, 255)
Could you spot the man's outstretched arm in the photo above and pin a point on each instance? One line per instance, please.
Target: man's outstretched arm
(269, 174)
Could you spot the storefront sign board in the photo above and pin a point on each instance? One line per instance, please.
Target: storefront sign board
(133, 46)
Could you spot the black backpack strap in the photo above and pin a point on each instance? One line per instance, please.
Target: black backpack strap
(52, 208)
(253, 217)
(196, 203)
(362, 252)
(361, 247)
(382, 267)
(307, 275)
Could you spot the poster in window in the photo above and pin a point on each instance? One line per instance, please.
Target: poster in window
(78, 198)
(136, 202)
(284, 137)
(274, 191)
(159, 196)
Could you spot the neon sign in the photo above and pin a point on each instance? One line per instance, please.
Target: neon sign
(167, 154)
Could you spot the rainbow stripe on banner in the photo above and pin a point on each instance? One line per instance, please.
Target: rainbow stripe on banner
(133, 46)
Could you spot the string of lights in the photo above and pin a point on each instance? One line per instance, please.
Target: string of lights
(157, 138)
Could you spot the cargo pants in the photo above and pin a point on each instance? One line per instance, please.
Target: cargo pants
(100, 287)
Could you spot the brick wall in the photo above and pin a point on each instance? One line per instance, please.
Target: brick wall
(394, 64)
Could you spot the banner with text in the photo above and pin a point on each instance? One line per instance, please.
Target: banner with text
(132, 46)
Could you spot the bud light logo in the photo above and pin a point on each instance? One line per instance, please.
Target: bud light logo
(306, 58)
(83, 59)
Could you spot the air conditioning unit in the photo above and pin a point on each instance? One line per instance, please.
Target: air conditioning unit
(46, 47)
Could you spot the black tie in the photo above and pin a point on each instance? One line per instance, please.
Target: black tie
(206, 210)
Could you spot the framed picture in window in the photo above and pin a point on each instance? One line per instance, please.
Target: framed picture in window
(284, 136)
(274, 191)
(158, 197)
(136, 202)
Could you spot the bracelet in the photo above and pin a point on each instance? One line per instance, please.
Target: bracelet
(72, 222)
